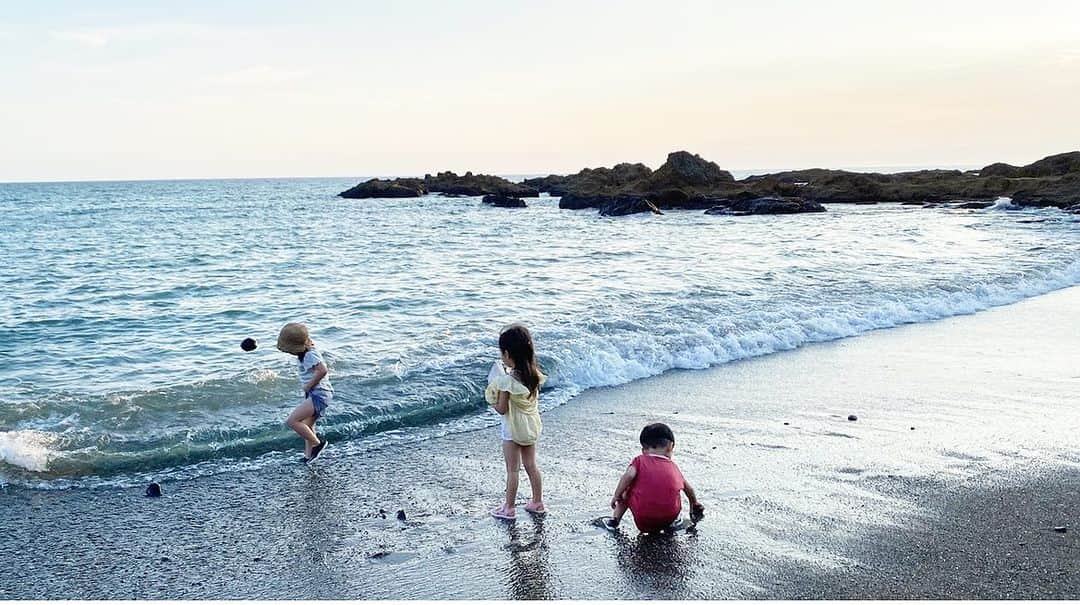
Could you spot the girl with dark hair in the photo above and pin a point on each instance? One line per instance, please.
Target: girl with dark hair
(513, 386)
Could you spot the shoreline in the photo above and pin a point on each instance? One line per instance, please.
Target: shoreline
(800, 500)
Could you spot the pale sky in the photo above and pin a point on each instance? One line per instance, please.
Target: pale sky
(133, 90)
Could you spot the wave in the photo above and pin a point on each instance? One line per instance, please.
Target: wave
(690, 332)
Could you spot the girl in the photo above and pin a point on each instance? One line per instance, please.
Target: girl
(294, 338)
(512, 390)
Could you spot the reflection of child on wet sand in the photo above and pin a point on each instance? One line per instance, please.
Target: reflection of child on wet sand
(652, 483)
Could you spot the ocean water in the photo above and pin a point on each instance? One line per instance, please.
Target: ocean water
(123, 306)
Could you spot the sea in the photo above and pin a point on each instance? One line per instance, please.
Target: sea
(123, 305)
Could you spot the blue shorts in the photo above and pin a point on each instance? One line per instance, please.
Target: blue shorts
(320, 400)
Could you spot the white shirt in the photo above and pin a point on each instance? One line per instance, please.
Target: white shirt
(307, 371)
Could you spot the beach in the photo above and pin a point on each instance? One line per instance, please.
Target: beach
(961, 461)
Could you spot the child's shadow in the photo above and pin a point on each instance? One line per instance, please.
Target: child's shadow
(528, 576)
(656, 563)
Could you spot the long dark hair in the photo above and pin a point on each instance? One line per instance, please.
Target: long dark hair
(518, 344)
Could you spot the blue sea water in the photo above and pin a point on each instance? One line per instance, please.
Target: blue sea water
(123, 305)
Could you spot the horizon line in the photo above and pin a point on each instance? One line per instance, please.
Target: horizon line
(881, 168)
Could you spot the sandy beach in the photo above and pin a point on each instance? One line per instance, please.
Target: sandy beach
(961, 463)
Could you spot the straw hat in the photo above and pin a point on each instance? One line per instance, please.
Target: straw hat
(293, 338)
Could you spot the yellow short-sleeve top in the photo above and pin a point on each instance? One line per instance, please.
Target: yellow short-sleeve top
(523, 416)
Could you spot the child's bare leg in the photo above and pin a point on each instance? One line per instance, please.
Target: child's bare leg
(619, 510)
(512, 455)
(528, 458)
(298, 421)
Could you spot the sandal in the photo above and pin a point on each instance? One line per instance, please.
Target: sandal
(537, 508)
(504, 513)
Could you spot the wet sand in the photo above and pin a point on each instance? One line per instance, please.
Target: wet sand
(962, 459)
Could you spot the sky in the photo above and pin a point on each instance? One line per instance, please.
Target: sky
(137, 90)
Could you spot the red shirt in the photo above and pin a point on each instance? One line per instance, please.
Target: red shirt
(655, 498)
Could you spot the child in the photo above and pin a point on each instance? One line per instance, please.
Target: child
(318, 393)
(651, 484)
(512, 390)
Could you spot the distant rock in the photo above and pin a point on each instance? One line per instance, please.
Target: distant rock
(1060, 192)
(447, 183)
(628, 206)
(1053, 165)
(687, 170)
(766, 205)
(975, 205)
(504, 201)
(377, 188)
(471, 184)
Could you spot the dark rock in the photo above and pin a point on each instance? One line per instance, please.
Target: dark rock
(766, 205)
(1062, 192)
(630, 206)
(401, 515)
(446, 183)
(1053, 165)
(377, 188)
(504, 201)
(249, 344)
(852, 417)
(685, 169)
(153, 490)
(669, 198)
(476, 185)
(975, 205)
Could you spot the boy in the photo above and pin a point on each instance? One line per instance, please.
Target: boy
(652, 483)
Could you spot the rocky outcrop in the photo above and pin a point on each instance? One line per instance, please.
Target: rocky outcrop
(504, 201)
(476, 185)
(624, 207)
(377, 188)
(766, 205)
(1062, 192)
(447, 183)
(687, 181)
(1054, 165)
(685, 170)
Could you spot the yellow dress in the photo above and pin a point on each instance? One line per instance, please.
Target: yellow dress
(523, 415)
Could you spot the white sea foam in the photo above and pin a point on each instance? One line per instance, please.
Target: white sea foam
(28, 449)
(1002, 203)
(599, 361)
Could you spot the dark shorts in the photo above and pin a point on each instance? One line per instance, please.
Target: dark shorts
(320, 400)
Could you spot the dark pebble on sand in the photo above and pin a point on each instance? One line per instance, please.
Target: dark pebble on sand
(401, 515)
(153, 490)
(714, 447)
(852, 417)
(913, 428)
(1062, 529)
(787, 423)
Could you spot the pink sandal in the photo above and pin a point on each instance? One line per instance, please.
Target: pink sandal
(536, 508)
(504, 513)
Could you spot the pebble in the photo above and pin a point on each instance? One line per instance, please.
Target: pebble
(913, 428)
(787, 423)
(852, 417)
